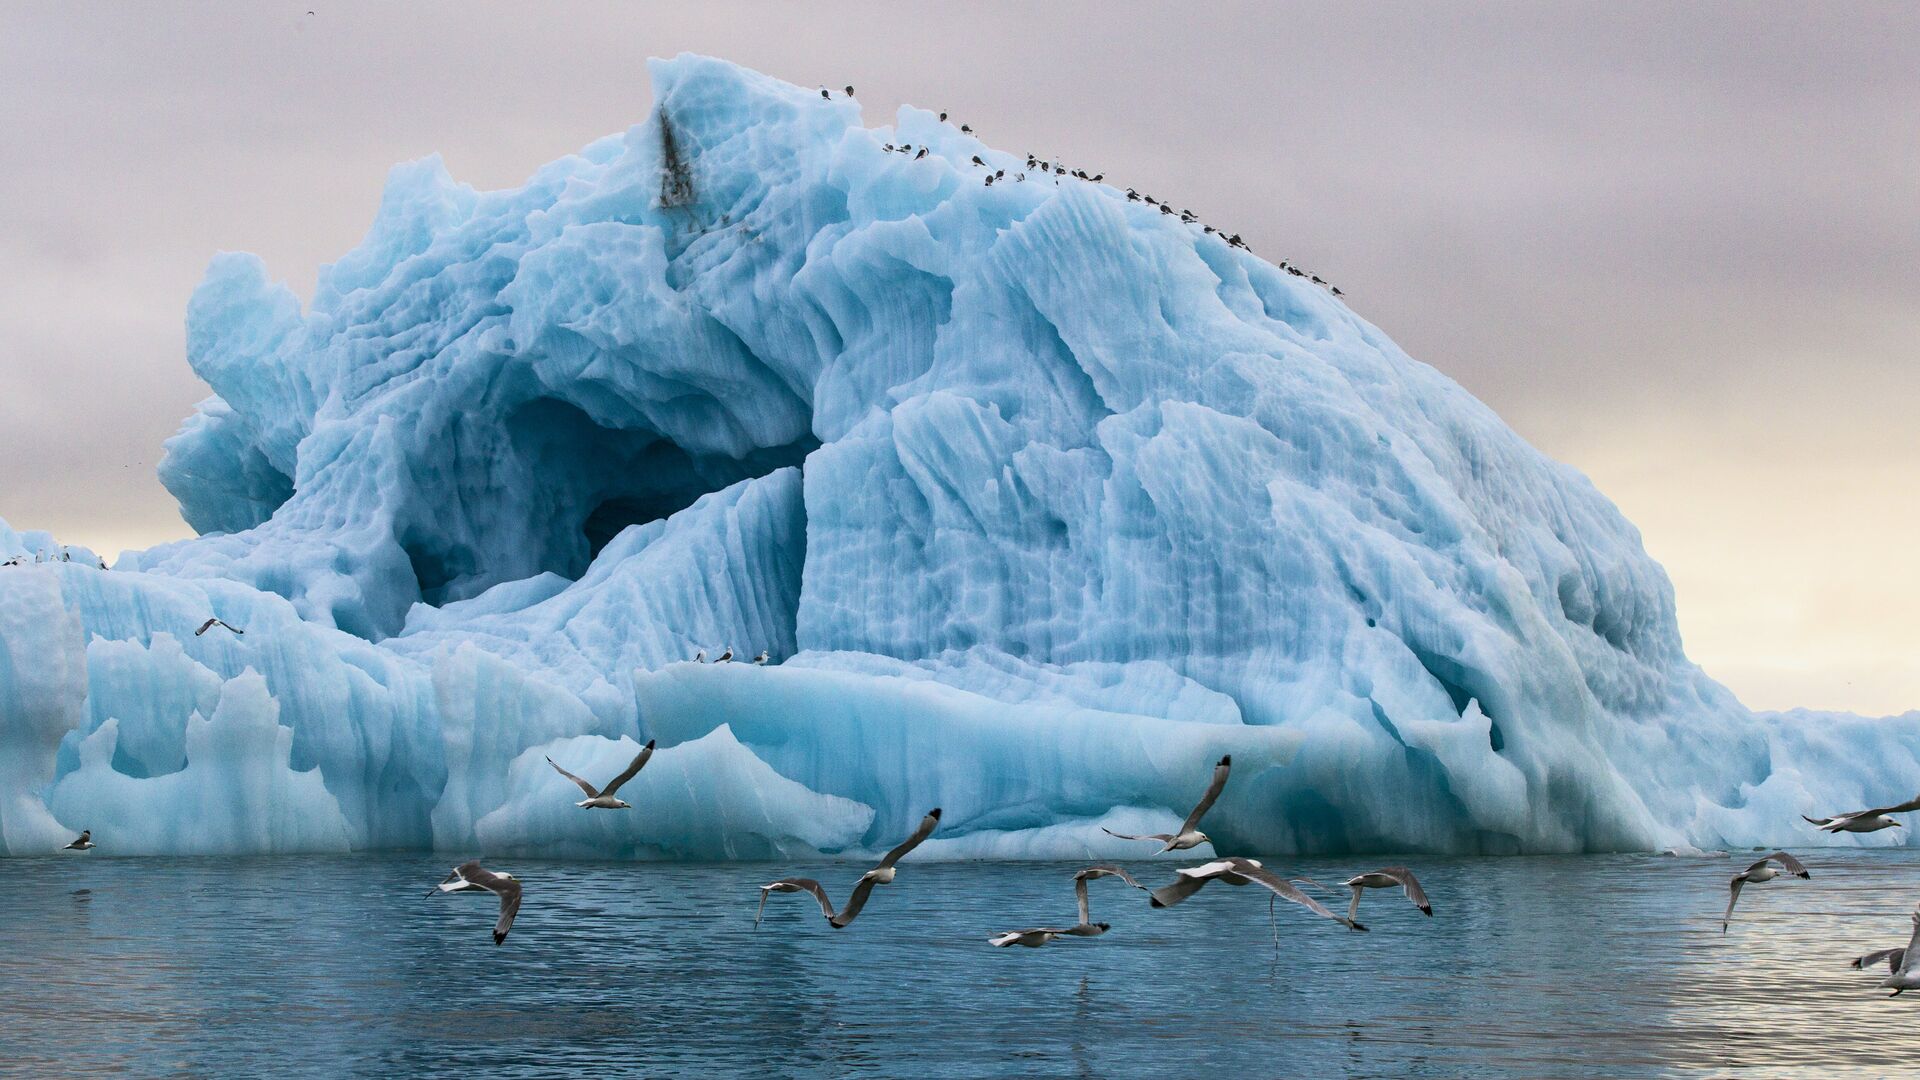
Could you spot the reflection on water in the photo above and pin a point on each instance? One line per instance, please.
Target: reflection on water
(1597, 965)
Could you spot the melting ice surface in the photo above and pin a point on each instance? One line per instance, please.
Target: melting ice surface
(1040, 500)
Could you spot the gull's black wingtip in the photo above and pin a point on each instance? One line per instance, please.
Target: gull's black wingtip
(1226, 759)
(1427, 910)
(934, 813)
(649, 745)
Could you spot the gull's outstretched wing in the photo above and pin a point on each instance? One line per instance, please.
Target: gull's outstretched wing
(1734, 898)
(592, 792)
(1219, 781)
(1419, 896)
(1260, 875)
(927, 825)
(861, 890)
(1893, 957)
(798, 884)
(1189, 880)
(1160, 836)
(509, 892)
(1899, 808)
(1787, 862)
(639, 762)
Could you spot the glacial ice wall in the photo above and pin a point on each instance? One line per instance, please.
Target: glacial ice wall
(1039, 499)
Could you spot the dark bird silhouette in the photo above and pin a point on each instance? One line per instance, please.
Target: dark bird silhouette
(824, 94)
(849, 91)
(966, 129)
(211, 623)
(921, 154)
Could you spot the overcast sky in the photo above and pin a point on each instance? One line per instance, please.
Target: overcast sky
(1678, 248)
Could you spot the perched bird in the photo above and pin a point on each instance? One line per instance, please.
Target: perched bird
(1239, 872)
(921, 154)
(849, 91)
(1099, 177)
(1316, 280)
(824, 94)
(1391, 877)
(1906, 976)
(977, 161)
(966, 129)
(211, 623)
(1758, 872)
(879, 875)
(1020, 178)
(1165, 209)
(602, 798)
(1337, 292)
(888, 148)
(83, 843)
(470, 876)
(989, 181)
(1864, 820)
(725, 657)
(700, 657)
(1189, 835)
(943, 117)
(762, 658)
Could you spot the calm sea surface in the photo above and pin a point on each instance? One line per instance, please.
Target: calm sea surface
(1577, 966)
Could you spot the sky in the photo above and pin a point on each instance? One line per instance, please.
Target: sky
(1677, 247)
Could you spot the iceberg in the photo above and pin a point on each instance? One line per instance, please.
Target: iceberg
(1038, 499)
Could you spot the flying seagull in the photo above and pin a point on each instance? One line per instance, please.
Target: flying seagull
(1864, 820)
(1189, 835)
(1086, 927)
(1392, 877)
(211, 623)
(1040, 935)
(1238, 871)
(879, 875)
(602, 799)
(1758, 872)
(470, 876)
(1906, 975)
(83, 843)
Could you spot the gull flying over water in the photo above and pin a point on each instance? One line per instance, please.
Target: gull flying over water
(1189, 835)
(1872, 820)
(1391, 877)
(1086, 927)
(83, 843)
(602, 798)
(1904, 962)
(470, 876)
(211, 623)
(879, 875)
(1758, 872)
(1237, 871)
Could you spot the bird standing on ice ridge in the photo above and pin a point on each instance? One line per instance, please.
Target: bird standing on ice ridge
(602, 799)
(762, 658)
(211, 623)
(470, 876)
(83, 843)
(1758, 872)
(879, 875)
(1189, 835)
(1864, 820)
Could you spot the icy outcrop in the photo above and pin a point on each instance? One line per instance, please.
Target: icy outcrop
(1039, 499)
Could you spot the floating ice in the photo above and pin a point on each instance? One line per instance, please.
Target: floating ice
(1040, 500)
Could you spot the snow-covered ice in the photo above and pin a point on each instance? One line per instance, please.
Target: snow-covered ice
(1040, 499)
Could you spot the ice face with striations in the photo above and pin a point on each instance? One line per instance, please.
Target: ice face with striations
(1040, 500)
